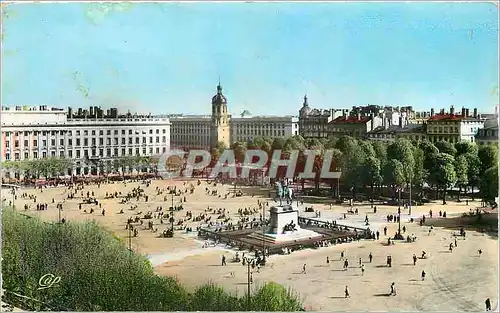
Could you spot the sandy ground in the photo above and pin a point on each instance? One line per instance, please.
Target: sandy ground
(455, 281)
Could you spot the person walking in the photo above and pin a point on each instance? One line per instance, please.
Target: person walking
(303, 269)
(346, 292)
(362, 269)
(423, 275)
(327, 261)
(488, 304)
(370, 257)
(393, 289)
(414, 259)
(346, 264)
(224, 260)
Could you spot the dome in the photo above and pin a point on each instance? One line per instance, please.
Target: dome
(219, 98)
(305, 110)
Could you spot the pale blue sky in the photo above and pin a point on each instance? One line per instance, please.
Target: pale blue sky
(167, 57)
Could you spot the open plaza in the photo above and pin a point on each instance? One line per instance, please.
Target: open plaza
(461, 272)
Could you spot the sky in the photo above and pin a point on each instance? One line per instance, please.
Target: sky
(167, 58)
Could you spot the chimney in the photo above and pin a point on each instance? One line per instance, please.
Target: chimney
(463, 112)
(441, 112)
(467, 113)
(359, 116)
(475, 112)
(452, 110)
(432, 112)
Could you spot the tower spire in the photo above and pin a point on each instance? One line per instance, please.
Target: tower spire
(219, 87)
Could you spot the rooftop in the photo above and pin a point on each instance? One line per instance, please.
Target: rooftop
(451, 117)
(351, 120)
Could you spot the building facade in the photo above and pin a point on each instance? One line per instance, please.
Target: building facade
(88, 138)
(313, 123)
(487, 136)
(190, 131)
(453, 127)
(204, 131)
(355, 126)
(247, 127)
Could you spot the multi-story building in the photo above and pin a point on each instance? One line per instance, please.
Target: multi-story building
(246, 127)
(204, 131)
(317, 123)
(453, 127)
(313, 123)
(354, 125)
(408, 131)
(89, 138)
(487, 136)
(190, 131)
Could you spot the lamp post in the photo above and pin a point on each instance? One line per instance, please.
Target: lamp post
(409, 204)
(264, 232)
(172, 213)
(399, 221)
(249, 279)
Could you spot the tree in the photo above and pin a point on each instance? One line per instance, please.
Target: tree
(345, 142)
(446, 147)
(278, 143)
(489, 183)
(429, 152)
(420, 174)
(352, 163)
(274, 297)
(461, 169)
(98, 273)
(402, 150)
(473, 170)
(465, 147)
(488, 155)
(239, 149)
(394, 174)
(371, 172)
(442, 173)
(380, 149)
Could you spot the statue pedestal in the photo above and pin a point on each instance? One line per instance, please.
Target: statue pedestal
(281, 216)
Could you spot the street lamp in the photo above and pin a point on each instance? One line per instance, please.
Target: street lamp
(399, 221)
(409, 204)
(264, 232)
(249, 261)
(172, 215)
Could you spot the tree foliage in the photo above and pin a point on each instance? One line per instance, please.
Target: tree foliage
(489, 183)
(98, 273)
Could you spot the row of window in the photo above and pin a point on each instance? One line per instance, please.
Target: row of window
(90, 153)
(260, 132)
(93, 141)
(85, 132)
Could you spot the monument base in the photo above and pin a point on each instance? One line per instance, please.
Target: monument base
(300, 234)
